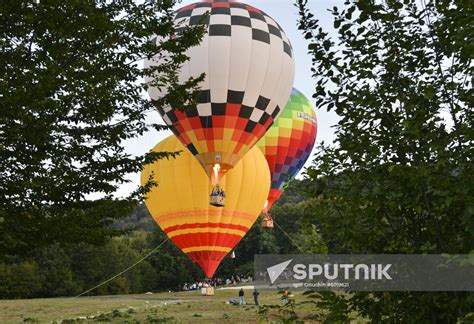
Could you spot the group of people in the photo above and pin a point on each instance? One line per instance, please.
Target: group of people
(238, 279)
(216, 282)
(233, 280)
(230, 281)
(242, 296)
(217, 191)
(202, 284)
(285, 295)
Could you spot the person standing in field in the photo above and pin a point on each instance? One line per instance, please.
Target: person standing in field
(255, 296)
(241, 296)
(284, 297)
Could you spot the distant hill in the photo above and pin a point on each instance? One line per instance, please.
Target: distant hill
(139, 220)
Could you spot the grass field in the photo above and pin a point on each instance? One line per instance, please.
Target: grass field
(181, 307)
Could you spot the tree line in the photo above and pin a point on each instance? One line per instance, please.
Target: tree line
(68, 270)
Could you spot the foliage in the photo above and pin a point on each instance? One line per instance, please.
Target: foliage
(286, 311)
(59, 270)
(66, 271)
(21, 279)
(399, 177)
(310, 241)
(335, 306)
(71, 92)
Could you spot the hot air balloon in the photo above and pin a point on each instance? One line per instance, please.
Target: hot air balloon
(288, 144)
(249, 67)
(179, 204)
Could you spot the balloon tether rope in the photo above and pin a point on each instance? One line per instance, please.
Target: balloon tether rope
(288, 236)
(123, 271)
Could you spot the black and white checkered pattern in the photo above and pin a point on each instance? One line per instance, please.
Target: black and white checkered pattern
(205, 108)
(221, 20)
(247, 58)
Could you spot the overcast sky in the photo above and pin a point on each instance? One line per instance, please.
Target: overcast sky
(286, 14)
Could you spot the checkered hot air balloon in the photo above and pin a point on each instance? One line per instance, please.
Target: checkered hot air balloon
(179, 204)
(249, 67)
(288, 143)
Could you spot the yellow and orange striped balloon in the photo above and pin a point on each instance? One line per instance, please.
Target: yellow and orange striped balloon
(180, 203)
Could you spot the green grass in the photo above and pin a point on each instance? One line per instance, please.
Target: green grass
(186, 307)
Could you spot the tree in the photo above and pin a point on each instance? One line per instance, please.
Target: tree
(309, 240)
(399, 177)
(71, 91)
(21, 280)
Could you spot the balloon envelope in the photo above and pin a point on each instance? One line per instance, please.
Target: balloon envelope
(180, 203)
(249, 67)
(288, 143)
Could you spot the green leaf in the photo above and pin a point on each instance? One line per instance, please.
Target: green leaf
(327, 45)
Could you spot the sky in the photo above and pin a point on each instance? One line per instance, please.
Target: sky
(286, 14)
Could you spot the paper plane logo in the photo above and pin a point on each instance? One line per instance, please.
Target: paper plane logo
(275, 271)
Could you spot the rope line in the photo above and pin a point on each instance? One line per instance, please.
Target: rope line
(122, 272)
(288, 236)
